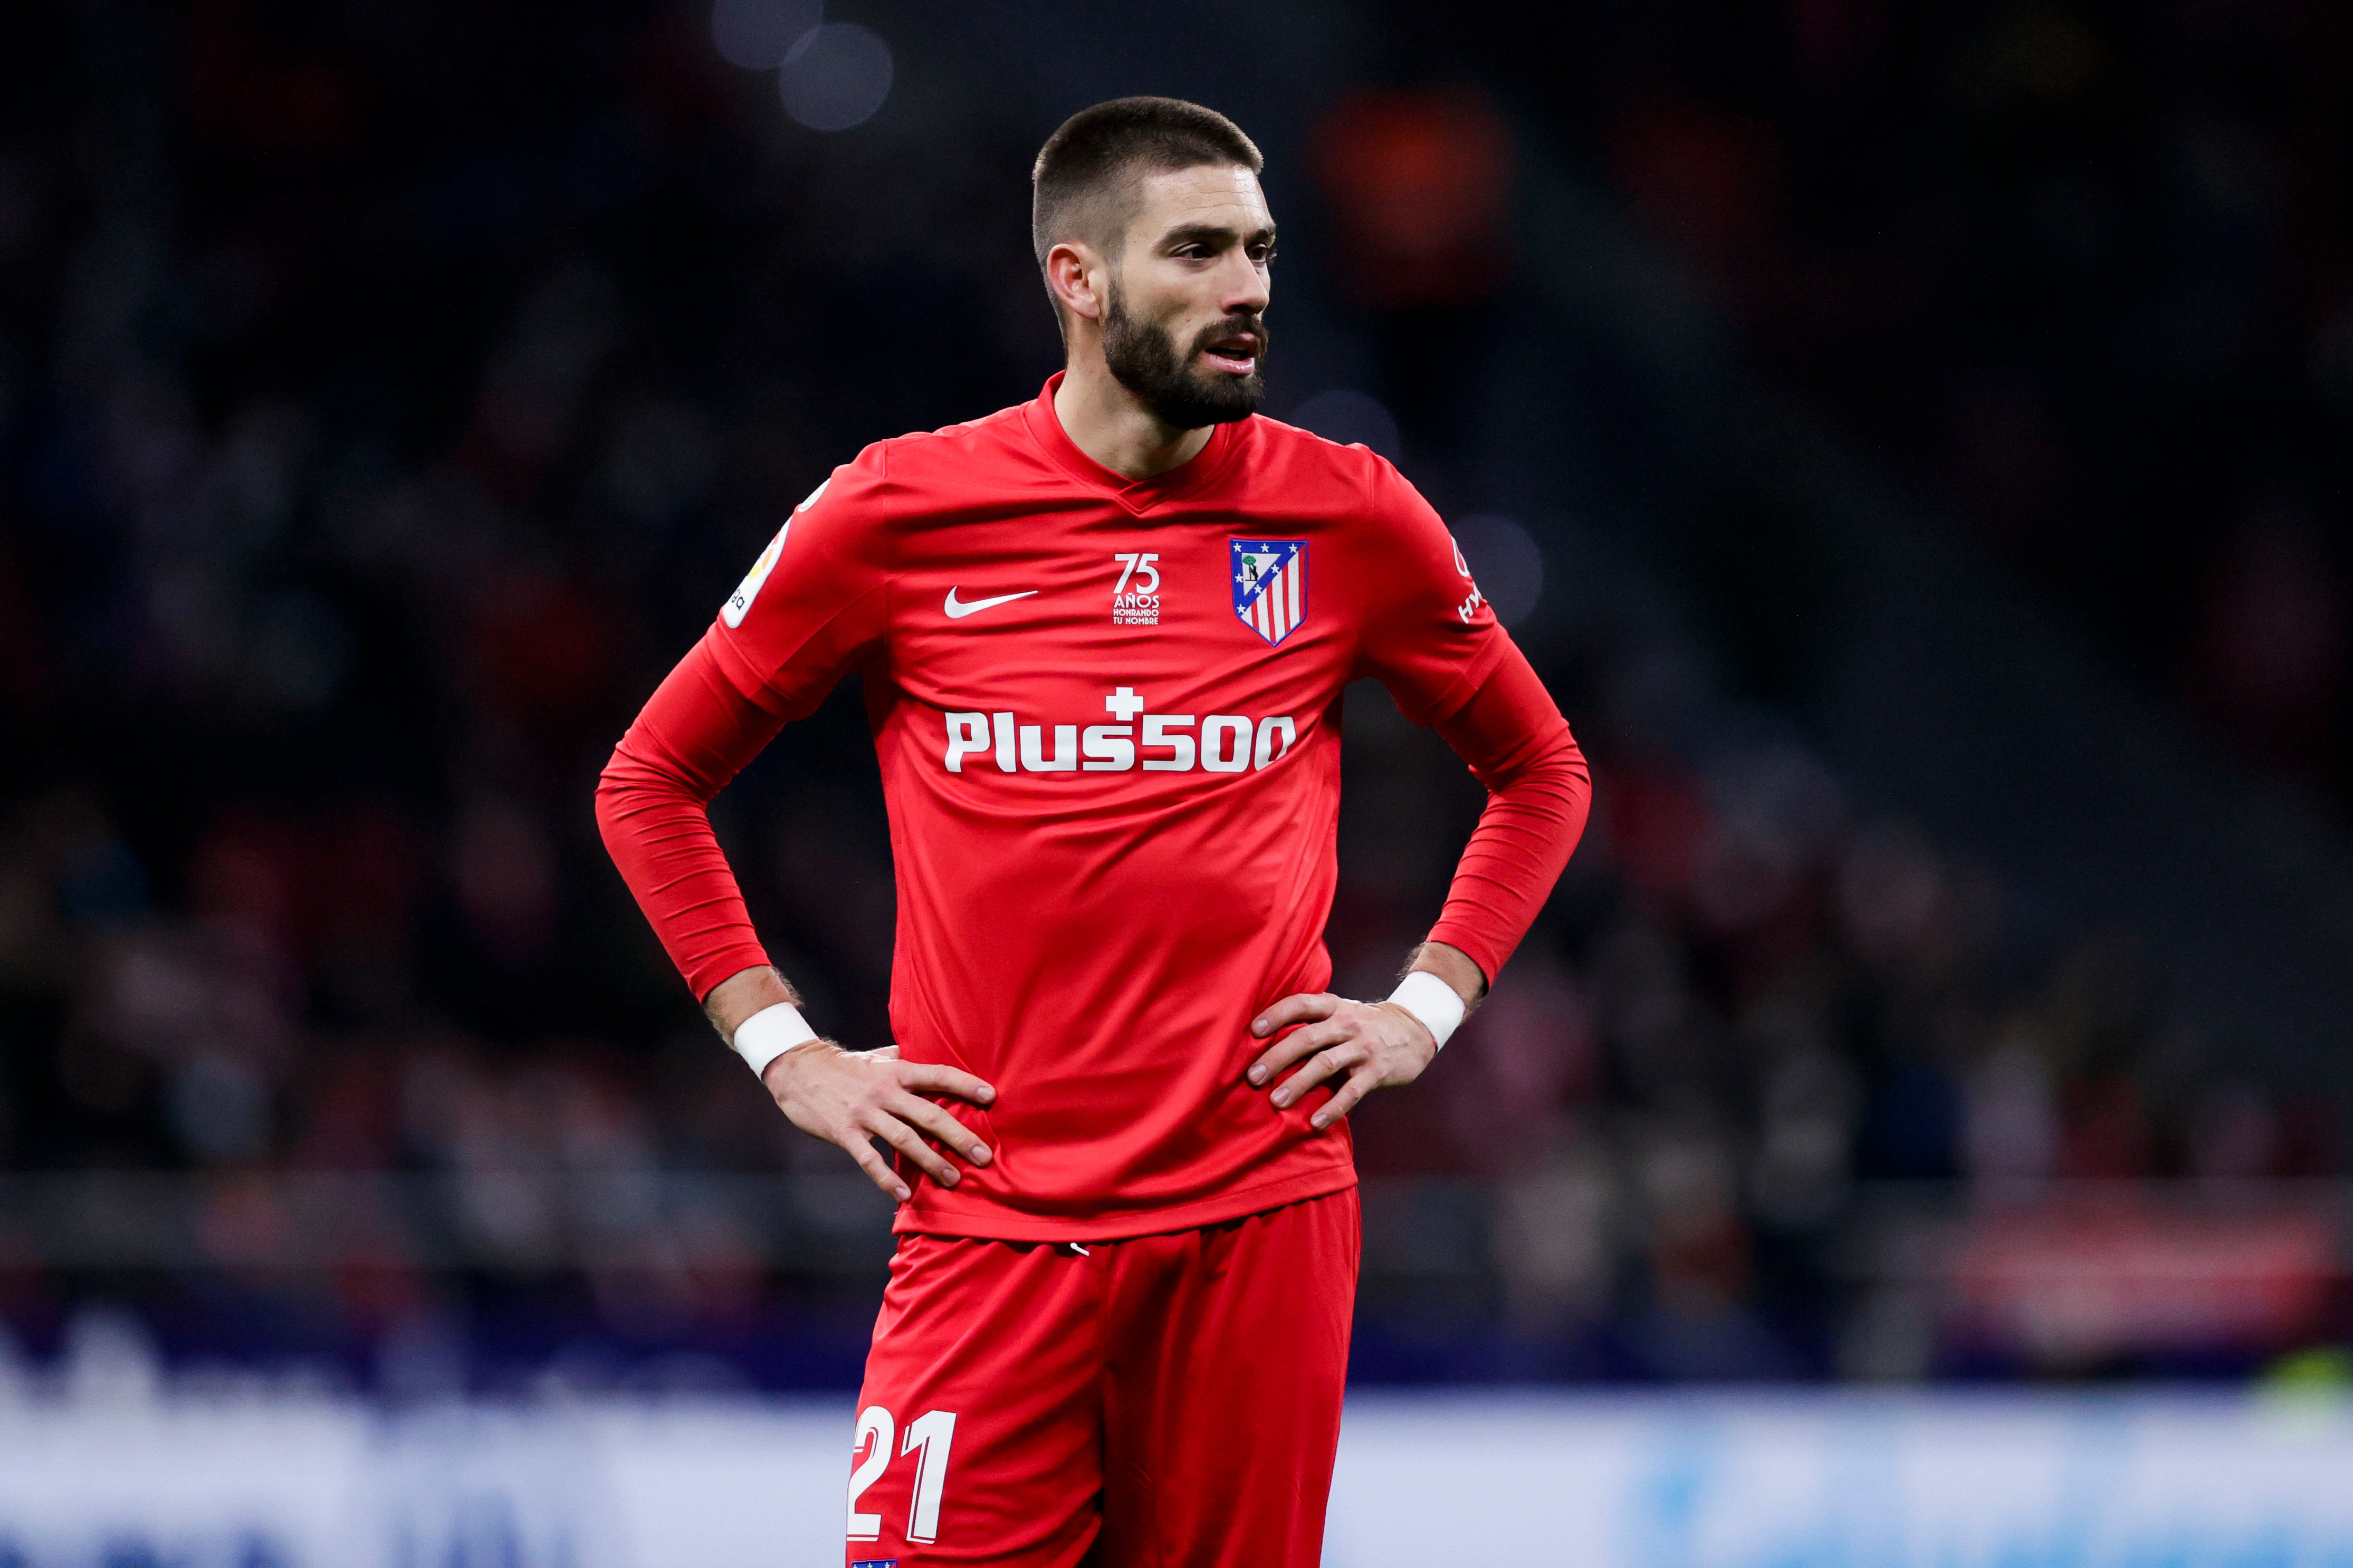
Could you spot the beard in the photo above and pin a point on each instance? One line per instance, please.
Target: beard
(1181, 393)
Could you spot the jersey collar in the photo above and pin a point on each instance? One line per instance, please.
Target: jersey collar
(1139, 496)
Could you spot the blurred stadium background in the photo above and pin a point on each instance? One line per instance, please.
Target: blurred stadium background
(1911, 440)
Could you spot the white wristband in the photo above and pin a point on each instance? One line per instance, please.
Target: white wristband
(1433, 1001)
(769, 1034)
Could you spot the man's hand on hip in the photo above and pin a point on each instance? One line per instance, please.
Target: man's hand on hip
(852, 1098)
(1377, 1045)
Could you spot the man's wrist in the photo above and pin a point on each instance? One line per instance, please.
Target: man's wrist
(769, 1034)
(1437, 1005)
(1454, 966)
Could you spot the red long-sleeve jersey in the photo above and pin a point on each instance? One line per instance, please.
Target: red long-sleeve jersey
(1107, 715)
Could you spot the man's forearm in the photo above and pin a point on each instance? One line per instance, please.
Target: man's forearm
(745, 993)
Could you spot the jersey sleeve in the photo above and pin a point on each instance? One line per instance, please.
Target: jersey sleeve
(1538, 793)
(1428, 635)
(696, 732)
(816, 604)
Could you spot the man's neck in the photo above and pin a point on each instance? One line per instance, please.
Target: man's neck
(1106, 421)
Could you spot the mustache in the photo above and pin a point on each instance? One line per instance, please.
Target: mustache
(1249, 321)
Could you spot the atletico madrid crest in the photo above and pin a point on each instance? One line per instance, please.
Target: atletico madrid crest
(1270, 586)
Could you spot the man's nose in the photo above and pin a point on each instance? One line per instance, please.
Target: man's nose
(1242, 285)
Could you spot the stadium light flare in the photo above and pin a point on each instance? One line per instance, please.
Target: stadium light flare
(1507, 561)
(836, 77)
(761, 35)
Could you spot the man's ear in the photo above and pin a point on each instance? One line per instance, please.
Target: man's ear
(1077, 278)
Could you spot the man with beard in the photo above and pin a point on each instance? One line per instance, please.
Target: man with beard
(1102, 637)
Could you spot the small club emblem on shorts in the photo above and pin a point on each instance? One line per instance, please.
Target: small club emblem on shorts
(876, 1563)
(1270, 586)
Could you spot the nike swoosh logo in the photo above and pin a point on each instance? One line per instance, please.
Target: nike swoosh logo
(957, 609)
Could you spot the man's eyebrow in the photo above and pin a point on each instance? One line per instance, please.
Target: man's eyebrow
(1213, 234)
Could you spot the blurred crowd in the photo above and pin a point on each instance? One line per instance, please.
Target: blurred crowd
(2082, 268)
(388, 394)
(1751, 1006)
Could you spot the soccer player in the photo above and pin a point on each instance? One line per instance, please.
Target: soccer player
(1102, 638)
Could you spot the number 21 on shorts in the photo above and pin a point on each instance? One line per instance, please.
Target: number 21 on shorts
(929, 1436)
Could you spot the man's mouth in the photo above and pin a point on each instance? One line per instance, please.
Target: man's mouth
(1236, 353)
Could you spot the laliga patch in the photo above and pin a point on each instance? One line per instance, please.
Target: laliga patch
(739, 603)
(1270, 586)
(1470, 605)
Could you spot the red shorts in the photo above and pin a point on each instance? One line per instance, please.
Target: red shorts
(1168, 1400)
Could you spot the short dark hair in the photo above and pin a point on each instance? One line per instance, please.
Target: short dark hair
(1099, 156)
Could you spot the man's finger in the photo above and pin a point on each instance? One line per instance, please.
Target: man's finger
(1319, 1067)
(1361, 1082)
(908, 1142)
(938, 1078)
(875, 1166)
(1299, 1043)
(1297, 1008)
(931, 1119)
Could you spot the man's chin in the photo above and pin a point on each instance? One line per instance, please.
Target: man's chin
(1193, 397)
(1222, 396)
